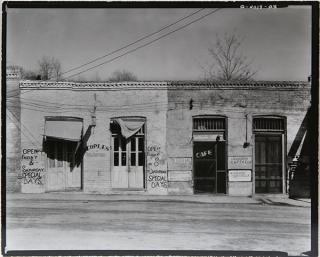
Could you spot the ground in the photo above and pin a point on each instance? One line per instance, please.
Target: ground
(150, 224)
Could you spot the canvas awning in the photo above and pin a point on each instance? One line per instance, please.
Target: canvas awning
(66, 129)
(128, 126)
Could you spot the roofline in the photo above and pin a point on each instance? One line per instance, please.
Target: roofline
(165, 85)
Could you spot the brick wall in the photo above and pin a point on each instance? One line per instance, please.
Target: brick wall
(233, 103)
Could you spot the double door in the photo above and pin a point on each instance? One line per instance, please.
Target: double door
(209, 167)
(128, 162)
(62, 172)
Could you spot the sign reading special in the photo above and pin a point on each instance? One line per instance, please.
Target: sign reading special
(239, 175)
(239, 162)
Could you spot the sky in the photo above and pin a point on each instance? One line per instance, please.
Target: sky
(277, 41)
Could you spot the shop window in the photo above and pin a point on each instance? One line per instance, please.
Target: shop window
(209, 154)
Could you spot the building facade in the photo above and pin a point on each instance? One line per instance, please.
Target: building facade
(161, 137)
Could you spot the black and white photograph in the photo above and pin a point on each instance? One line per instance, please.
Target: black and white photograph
(165, 128)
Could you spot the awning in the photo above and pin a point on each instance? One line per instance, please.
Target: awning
(129, 127)
(64, 129)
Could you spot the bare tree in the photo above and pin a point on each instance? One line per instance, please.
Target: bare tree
(229, 64)
(124, 75)
(50, 68)
(24, 74)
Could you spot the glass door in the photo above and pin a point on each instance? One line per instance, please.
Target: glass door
(128, 162)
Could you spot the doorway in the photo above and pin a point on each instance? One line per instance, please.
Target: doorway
(270, 138)
(128, 160)
(62, 172)
(209, 167)
(268, 163)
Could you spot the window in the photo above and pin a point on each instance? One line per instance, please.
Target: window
(268, 124)
(127, 151)
(209, 124)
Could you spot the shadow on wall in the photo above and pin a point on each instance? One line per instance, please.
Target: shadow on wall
(299, 136)
(299, 178)
(54, 149)
(83, 147)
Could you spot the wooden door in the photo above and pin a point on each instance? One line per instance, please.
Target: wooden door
(136, 162)
(119, 172)
(73, 171)
(209, 167)
(128, 162)
(62, 174)
(55, 165)
(268, 163)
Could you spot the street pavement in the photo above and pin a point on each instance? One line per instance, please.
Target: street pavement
(131, 222)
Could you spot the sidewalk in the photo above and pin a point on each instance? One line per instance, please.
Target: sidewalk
(280, 200)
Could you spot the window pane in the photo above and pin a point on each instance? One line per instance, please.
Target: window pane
(116, 144)
(133, 144)
(123, 159)
(133, 159)
(141, 159)
(59, 154)
(116, 159)
(141, 144)
(123, 144)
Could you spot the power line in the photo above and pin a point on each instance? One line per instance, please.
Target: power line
(146, 44)
(19, 128)
(138, 40)
(17, 119)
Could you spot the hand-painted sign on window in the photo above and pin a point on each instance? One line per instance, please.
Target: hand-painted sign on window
(239, 175)
(205, 150)
(204, 154)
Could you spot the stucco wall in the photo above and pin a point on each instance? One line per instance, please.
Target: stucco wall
(150, 104)
(12, 134)
(169, 143)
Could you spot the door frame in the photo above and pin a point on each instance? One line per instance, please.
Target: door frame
(225, 132)
(111, 164)
(215, 143)
(64, 154)
(283, 159)
(284, 148)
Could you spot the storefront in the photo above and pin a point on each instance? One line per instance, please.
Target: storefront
(160, 137)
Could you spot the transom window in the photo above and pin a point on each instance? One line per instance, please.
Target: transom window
(268, 124)
(209, 124)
